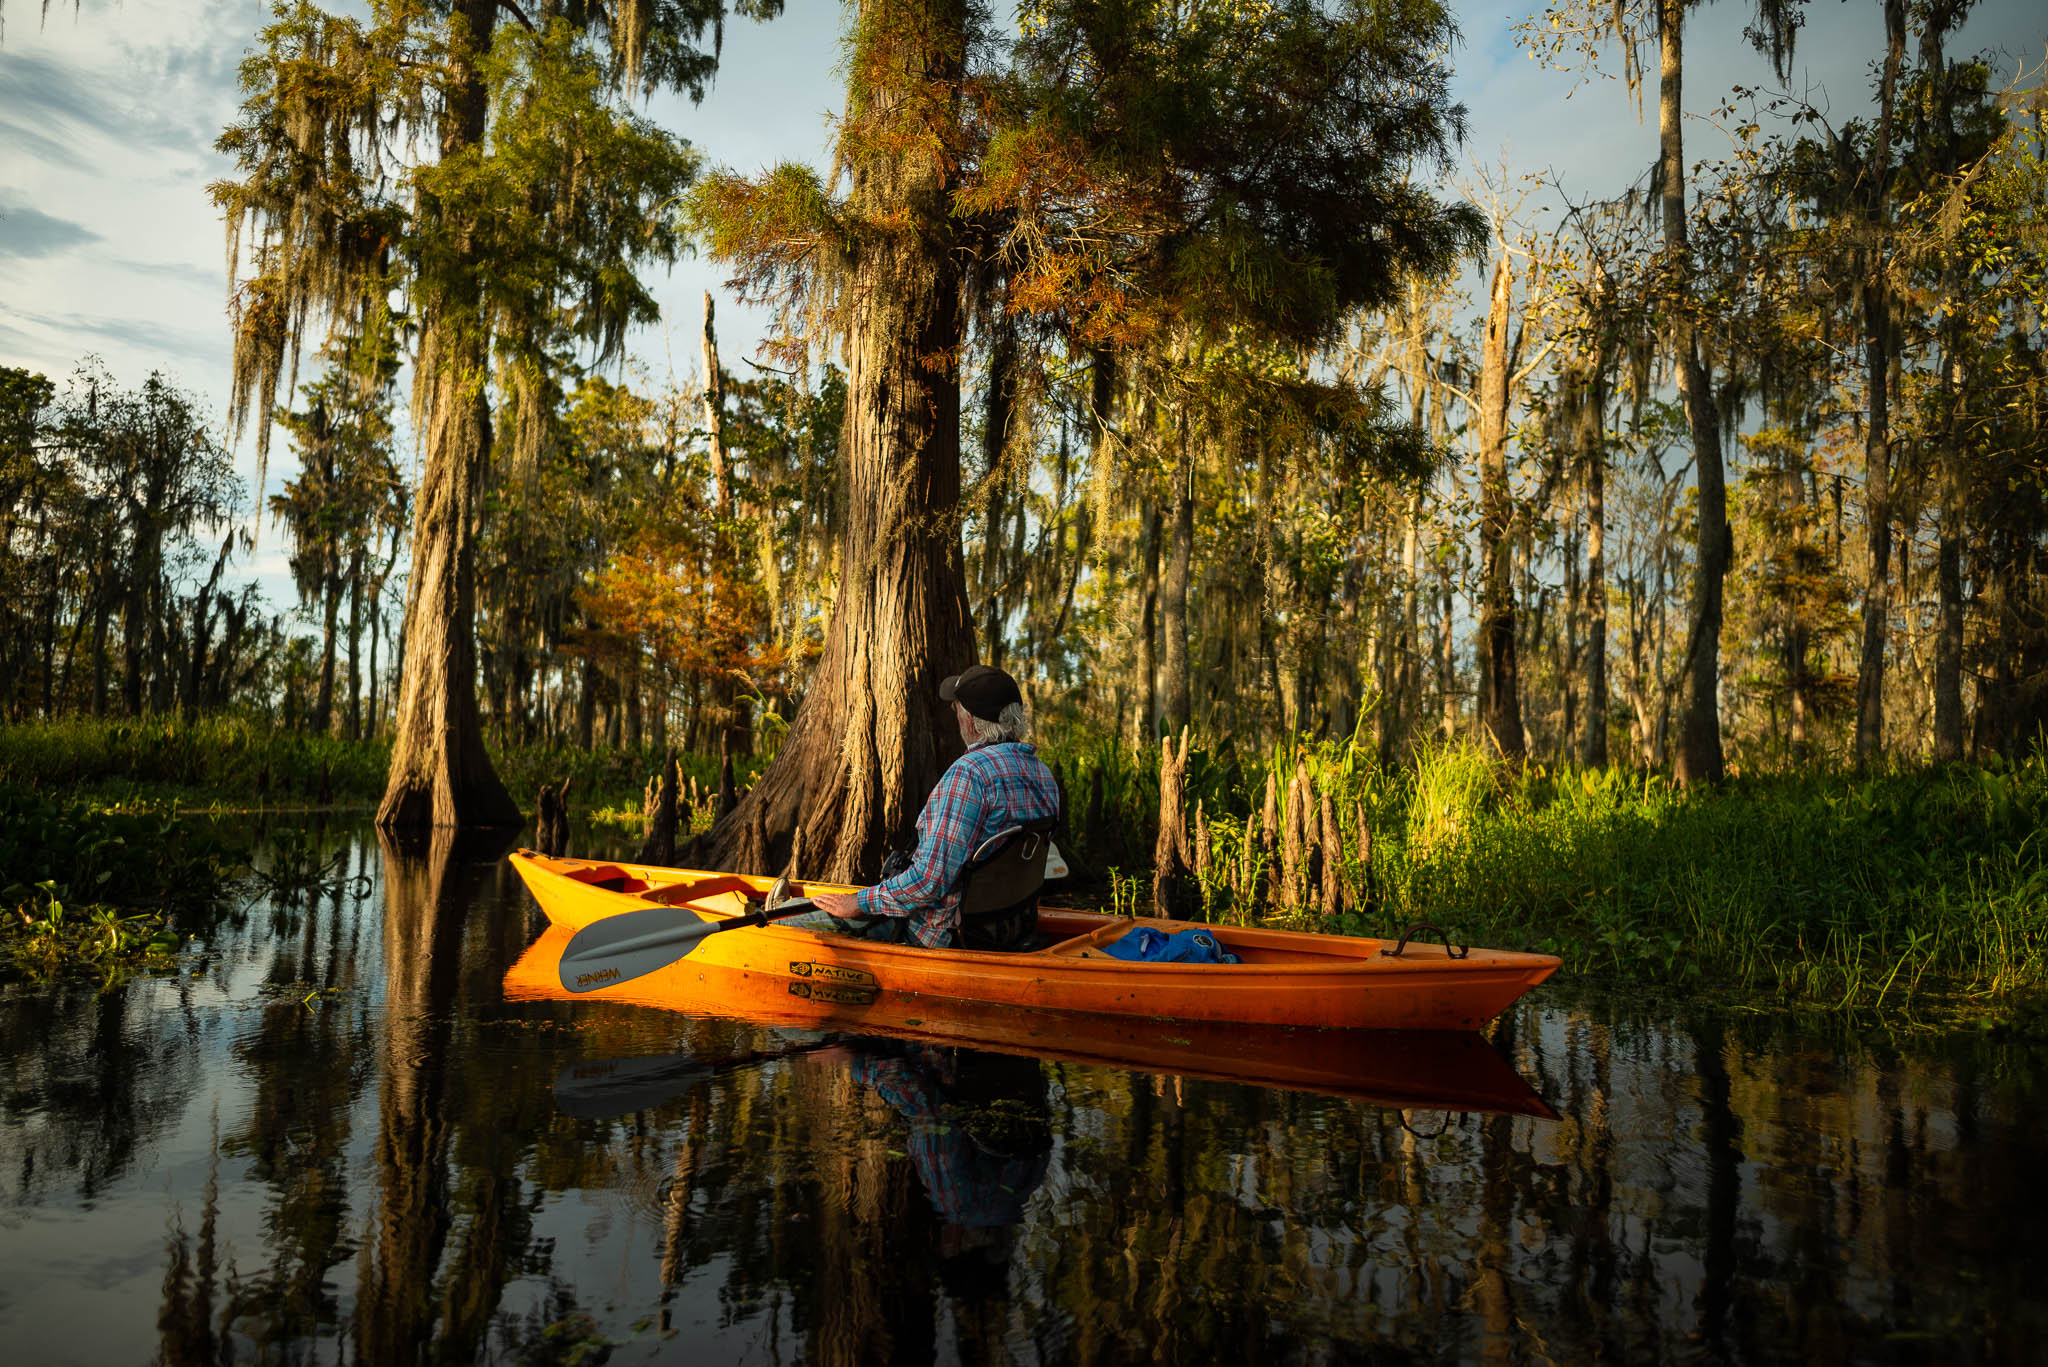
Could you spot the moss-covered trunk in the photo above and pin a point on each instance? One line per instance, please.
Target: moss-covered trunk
(872, 737)
(440, 773)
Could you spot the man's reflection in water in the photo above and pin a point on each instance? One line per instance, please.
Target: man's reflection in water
(980, 1139)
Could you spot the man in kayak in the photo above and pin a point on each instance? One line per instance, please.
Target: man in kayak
(999, 783)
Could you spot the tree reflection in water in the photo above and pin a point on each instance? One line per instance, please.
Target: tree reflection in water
(356, 1149)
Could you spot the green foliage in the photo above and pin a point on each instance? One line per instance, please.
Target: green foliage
(1112, 804)
(108, 497)
(522, 235)
(1221, 168)
(611, 780)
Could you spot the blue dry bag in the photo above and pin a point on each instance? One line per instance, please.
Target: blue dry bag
(1146, 945)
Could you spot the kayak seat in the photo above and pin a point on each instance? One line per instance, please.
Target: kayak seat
(702, 890)
(1000, 887)
(610, 878)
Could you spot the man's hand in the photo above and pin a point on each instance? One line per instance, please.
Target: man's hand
(840, 904)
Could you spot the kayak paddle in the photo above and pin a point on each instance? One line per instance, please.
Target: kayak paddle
(599, 1088)
(623, 947)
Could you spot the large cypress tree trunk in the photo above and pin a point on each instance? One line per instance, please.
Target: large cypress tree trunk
(355, 642)
(142, 571)
(1805, 559)
(1148, 617)
(734, 714)
(1950, 604)
(999, 409)
(872, 736)
(1877, 518)
(1408, 695)
(1948, 641)
(1699, 758)
(440, 773)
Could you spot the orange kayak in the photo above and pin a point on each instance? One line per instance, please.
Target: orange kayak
(1286, 978)
(1403, 1069)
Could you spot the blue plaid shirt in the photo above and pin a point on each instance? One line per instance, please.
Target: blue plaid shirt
(989, 789)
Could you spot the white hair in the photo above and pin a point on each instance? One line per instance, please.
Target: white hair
(1010, 724)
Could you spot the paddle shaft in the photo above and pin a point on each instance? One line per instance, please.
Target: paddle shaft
(689, 935)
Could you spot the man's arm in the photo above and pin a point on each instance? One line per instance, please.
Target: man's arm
(946, 832)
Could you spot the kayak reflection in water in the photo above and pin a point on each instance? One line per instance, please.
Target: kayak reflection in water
(980, 1135)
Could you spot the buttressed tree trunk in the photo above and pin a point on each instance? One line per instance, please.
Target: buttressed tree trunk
(440, 773)
(872, 736)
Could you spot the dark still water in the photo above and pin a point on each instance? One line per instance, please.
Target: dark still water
(332, 1139)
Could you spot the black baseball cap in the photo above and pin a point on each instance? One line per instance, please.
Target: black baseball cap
(983, 690)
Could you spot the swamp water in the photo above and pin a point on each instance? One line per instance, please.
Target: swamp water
(331, 1138)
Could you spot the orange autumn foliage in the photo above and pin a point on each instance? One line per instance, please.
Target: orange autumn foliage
(669, 592)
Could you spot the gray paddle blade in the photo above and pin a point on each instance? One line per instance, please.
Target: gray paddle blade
(596, 1089)
(623, 947)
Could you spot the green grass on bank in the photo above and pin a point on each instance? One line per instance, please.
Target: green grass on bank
(1824, 889)
(228, 762)
(232, 763)
(1817, 888)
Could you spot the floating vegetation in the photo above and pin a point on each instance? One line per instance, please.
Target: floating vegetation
(52, 936)
(107, 891)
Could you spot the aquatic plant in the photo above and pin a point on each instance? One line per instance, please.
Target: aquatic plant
(83, 887)
(1450, 791)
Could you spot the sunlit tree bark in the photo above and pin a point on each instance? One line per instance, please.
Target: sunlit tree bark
(872, 735)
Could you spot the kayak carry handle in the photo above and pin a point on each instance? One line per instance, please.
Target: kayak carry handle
(1427, 928)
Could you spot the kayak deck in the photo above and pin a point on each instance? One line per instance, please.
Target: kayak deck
(1291, 978)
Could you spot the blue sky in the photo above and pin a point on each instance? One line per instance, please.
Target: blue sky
(108, 244)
